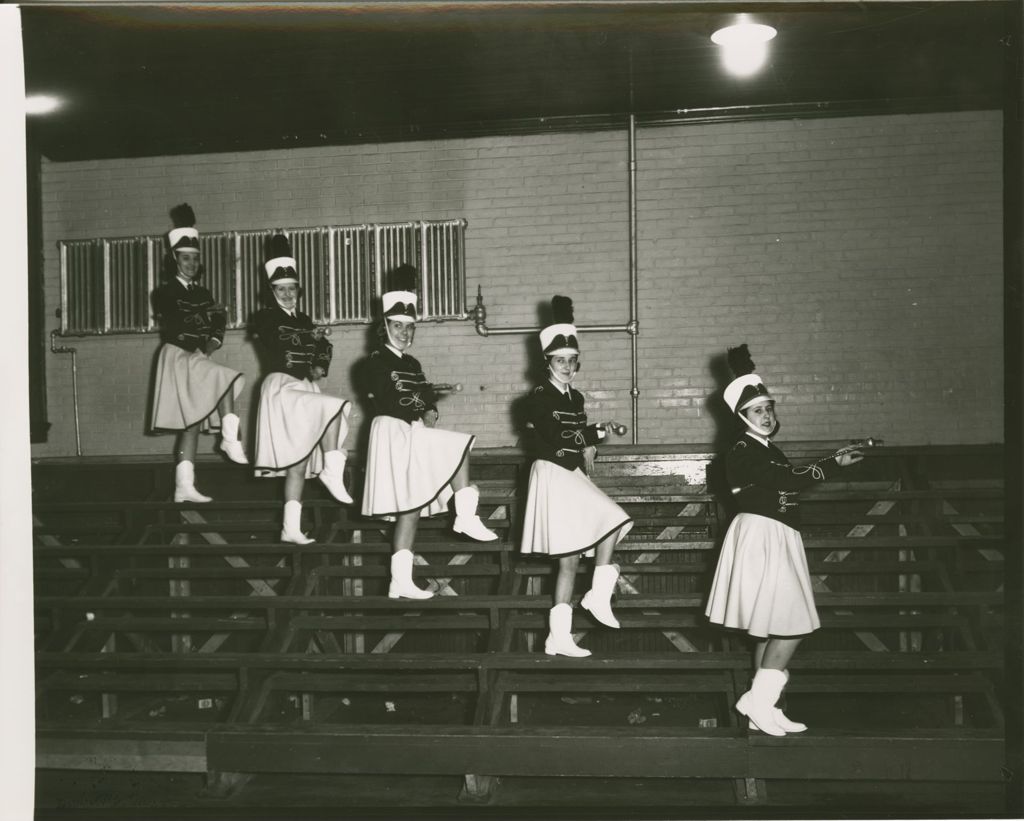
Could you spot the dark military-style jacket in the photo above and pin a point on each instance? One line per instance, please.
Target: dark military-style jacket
(292, 344)
(187, 316)
(399, 386)
(557, 424)
(764, 482)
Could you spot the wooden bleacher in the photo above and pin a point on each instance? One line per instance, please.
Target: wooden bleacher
(186, 638)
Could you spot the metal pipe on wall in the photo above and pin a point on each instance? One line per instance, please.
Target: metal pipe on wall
(479, 313)
(529, 329)
(55, 348)
(634, 325)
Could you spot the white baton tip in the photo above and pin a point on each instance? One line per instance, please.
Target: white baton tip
(90, 616)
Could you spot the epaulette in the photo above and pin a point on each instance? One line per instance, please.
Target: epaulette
(374, 353)
(539, 389)
(740, 443)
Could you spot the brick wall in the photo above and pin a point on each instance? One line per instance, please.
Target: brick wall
(860, 258)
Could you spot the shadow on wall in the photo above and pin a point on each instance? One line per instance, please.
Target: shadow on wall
(727, 429)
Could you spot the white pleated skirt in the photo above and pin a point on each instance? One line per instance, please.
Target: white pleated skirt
(762, 584)
(410, 467)
(293, 416)
(567, 513)
(188, 387)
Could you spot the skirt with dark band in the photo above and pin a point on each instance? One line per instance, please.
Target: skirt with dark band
(188, 388)
(410, 467)
(762, 584)
(293, 416)
(567, 513)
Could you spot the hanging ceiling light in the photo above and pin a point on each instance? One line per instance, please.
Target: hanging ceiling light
(744, 45)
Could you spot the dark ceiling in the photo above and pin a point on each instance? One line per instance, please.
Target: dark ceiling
(169, 79)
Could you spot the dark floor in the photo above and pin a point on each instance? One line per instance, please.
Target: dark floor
(114, 795)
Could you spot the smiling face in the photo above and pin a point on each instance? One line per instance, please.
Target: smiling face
(401, 332)
(287, 295)
(563, 367)
(188, 264)
(760, 417)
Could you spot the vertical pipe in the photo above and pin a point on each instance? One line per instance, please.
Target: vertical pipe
(82, 306)
(122, 285)
(74, 392)
(461, 248)
(63, 287)
(332, 274)
(55, 348)
(106, 287)
(152, 261)
(427, 264)
(237, 267)
(634, 390)
(377, 276)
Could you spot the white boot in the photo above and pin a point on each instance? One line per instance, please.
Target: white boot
(185, 484)
(598, 600)
(333, 476)
(758, 703)
(402, 585)
(229, 439)
(466, 520)
(292, 530)
(781, 719)
(559, 641)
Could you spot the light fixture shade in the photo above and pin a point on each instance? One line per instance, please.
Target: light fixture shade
(744, 46)
(743, 34)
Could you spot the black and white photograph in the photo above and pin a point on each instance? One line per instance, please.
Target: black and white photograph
(512, 409)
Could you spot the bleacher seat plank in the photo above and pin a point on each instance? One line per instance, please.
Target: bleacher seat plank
(456, 682)
(623, 681)
(906, 755)
(170, 681)
(400, 622)
(170, 749)
(189, 624)
(445, 750)
(816, 660)
(252, 572)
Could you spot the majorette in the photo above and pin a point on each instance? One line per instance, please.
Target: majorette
(191, 390)
(567, 515)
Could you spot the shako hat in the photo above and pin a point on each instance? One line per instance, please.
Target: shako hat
(280, 266)
(399, 300)
(560, 338)
(183, 236)
(747, 388)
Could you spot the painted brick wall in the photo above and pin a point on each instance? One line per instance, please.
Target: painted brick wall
(860, 258)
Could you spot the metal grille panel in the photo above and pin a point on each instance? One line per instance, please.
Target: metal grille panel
(82, 286)
(250, 254)
(309, 248)
(106, 283)
(350, 289)
(128, 266)
(442, 273)
(394, 245)
(218, 263)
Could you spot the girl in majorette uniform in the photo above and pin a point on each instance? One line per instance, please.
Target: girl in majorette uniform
(762, 584)
(567, 515)
(300, 430)
(412, 467)
(190, 387)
